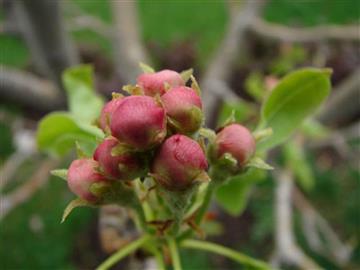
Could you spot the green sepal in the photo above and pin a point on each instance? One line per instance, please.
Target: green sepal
(116, 95)
(146, 68)
(80, 153)
(186, 74)
(121, 149)
(134, 90)
(203, 177)
(167, 86)
(72, 205)
(262, 134)
(230, 120)
(259, 163)
(61, 173)
(208, 134)
(195, 85)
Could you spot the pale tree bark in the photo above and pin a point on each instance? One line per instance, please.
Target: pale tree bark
(287, 251)
(128, 48)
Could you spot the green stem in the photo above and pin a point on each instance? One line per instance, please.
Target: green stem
(123, 252)
(140, 216)
(205, 205)
(174, 253)
(202, 210)
(159, 259)
(226, 252)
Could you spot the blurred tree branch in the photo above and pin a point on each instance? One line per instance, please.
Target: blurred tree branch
(317, 228)
(26, 89)
(25, 191)
(42, 26)
(128, 47)
(90, 22)
(287, 251)
(220, 66)
(311, 34)
(344, 103)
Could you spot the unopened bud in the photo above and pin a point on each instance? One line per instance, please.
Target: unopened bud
(125, 166)
(82, 174)
(237, 141)
(139, 122)
(179, 161)
(155, 83)
(183, 105)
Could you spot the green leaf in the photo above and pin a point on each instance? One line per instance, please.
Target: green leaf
(257, 162)
(146, 68)
(186, 74)
(233, 195)
(58, 131)
(62, 173)
(83, 102)
(72, 205)
(295, 159)
(296, 97)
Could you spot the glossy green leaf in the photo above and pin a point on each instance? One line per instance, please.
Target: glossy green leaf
(84, 103)
(58, 132)
(233, 196)
(296, 97)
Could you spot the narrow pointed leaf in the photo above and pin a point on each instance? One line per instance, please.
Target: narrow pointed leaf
(72, 205)
(146, 68)
(257, 162)
(62, 173)
(186, 74)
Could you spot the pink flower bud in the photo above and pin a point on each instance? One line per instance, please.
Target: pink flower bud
(183, 105)
(106, 113)
(139, 122)
(154, 83)
(178, 162)
(126, 166)
(236, 140)
(81, 175)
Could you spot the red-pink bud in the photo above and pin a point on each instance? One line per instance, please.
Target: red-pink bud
(126, 166)
(178, 162)
(183, 105)
(154, 83)
(139, 122)
(81, 175)
(106, 113)
(236, 140)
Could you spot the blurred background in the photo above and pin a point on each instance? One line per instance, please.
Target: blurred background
(239, 50)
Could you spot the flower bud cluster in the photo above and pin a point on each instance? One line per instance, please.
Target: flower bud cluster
(147, 133)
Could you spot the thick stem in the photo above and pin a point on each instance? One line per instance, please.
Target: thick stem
(174, 253)
(206, 203)
(125, 251)
(226, 252)
(140, 216)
